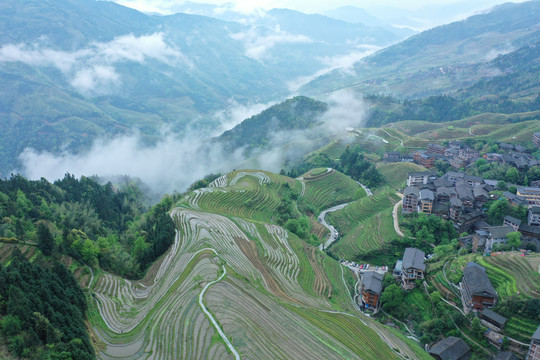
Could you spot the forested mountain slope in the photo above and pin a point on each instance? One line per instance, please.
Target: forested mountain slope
(441, 59)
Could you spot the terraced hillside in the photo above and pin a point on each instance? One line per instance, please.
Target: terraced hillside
(235, 287)
(364, 225)
(395, 174)
(246, 193)
(513, 276)
(327, 187)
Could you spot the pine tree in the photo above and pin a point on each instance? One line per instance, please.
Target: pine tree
(45, 239)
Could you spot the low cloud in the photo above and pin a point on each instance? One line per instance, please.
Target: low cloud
(91, 70)
(502, 50)
(346, 109)
(258, 42)
(87, 80)
(174, 162)
(167, 7)
(344, 63)
(236, 113)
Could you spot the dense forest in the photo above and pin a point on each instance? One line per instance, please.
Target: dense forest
(90, 222)
(351, 162)
(43, 311)
(514, 90)
(443, 108)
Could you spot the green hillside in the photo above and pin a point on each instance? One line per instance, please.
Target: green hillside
(445, 58)
(364, 225)
(395, 174)
(327, 187)
(261, 282)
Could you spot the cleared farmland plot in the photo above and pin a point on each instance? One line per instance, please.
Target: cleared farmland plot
(276, 298)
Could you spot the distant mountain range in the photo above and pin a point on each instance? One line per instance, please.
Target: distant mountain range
(76, 70)
(442, 59)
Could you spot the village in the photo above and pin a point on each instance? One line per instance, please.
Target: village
(461, 199)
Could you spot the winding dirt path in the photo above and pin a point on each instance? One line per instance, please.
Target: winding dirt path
(395, 215)
(333, 232)
(395, 137)
(211, 317)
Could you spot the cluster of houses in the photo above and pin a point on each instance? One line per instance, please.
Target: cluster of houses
(407, 271)
(460, 155)
(461, 198)
(477, 294)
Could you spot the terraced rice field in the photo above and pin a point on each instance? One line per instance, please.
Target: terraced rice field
(395, 174)
(330, 189)
(232, 287)
(364, 225)
(512, 275)
(247, 194)
(523, 275)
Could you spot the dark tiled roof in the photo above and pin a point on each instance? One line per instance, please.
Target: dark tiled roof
(464, 191)
(451, 348)
(499, 232)
(505, 355)
(442, 182)
(423, 173)
(456, 202)
(530, 229)
(414, 258)
(455, 174)
(426, 194)
(535, 209)
(480, 191)
(526, 189)
(520, 148)
(372, 280)
(468, 177)
(499, 319)
(445, 191)
(481, 224)
(477, 280)
(536, 335)
(411, 190)
(512, 220)
(472, 215)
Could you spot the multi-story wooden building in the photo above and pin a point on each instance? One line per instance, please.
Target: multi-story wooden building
(412, 267)
(531, 194)
(425, 159)
(410, 199)
(477, 292)
(426, 201)
(533, 216)
(450, 348)
(371, 289)
(534, 348)
(436, 149)
(419, 178)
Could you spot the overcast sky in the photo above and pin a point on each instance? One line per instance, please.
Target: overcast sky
(308, 6)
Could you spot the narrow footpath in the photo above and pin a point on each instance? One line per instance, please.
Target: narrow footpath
(395, 215)
(333, 232)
